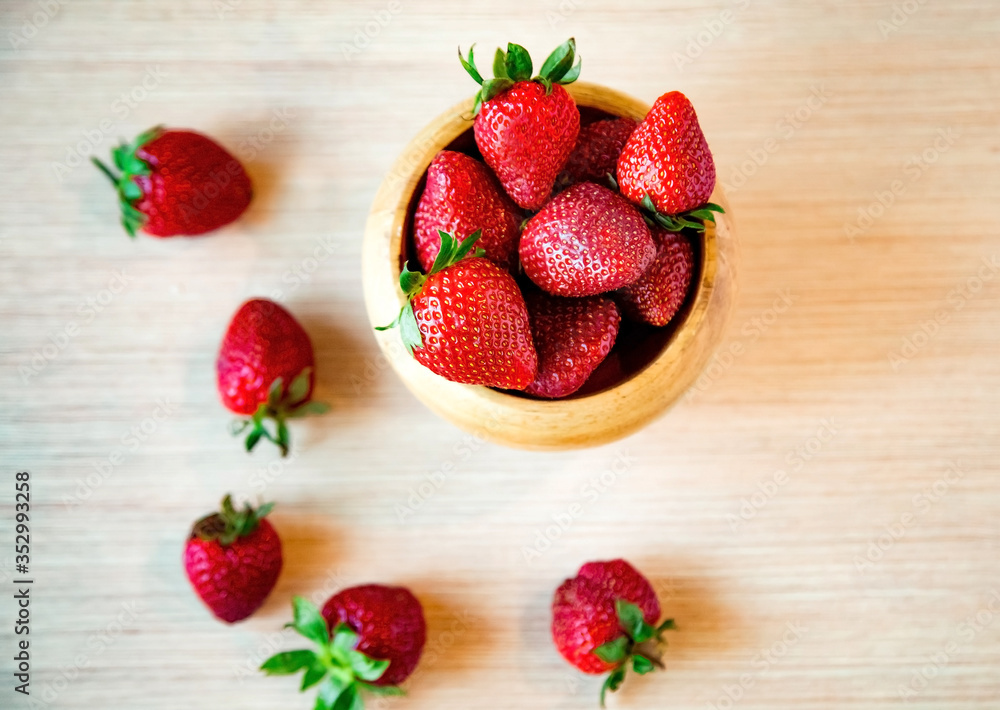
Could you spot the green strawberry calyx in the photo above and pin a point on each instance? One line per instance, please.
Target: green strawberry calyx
(336, 666)
(412, 282)
(514, 66)
(229, 524)
(131, 167)
(638, 646)
(692, 219)
(280, 406)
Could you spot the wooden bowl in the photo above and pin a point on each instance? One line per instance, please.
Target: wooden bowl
(668, 360)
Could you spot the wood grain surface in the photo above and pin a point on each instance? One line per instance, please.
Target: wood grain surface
(821, 514)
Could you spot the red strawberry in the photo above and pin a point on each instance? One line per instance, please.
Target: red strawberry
(461, 196)
(466, 320)
(667, 158)
(233, 559)
(609, 373)
(666, 165)
(659, 293)
(586, 241)
(177, 182)
(526, 128)
(573, 336)
(370, 638)
(597, 149)
(389, 622)
(602, 621)
(265, 371)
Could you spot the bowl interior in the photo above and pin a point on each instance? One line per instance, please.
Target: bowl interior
(637, 345)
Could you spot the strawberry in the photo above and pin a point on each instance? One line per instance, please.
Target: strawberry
(389, 622)
(597, 149)
(587, 240)
(659, 293)
(666, 165)
(573, 336)
(177, 182)
(608, 374)
(233, 559)
(602, 621)
(526, 128)
(370, 638)
(265, 371)
(461, 196)
(466, 319)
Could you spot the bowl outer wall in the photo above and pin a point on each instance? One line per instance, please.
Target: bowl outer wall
(529, 423)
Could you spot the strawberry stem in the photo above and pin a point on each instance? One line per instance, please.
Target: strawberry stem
(515, 66)
(412, 283)
(106, 170)
(131, 166)
(470, 65)
(558, 67)
(651, 651)
(229, 524)
(692, 219)
(279, 407)
(336, 666)
(639, 645)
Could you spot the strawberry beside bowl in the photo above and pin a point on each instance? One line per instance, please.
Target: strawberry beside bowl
(659, 365)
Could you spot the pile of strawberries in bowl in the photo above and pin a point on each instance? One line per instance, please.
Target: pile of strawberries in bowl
(554, 236)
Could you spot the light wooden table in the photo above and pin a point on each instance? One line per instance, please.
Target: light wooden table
(822, 515)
